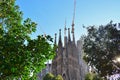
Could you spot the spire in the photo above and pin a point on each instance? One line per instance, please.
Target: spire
(65, 37)
(65, 29)
(59, 35)
(69, 39)
(73, 21)
(55, 38)
(60, 40)
(73, 38)
(73, 35)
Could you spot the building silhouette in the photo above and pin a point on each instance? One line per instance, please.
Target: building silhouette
(68, 61)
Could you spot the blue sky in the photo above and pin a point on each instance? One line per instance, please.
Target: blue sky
(50, 15)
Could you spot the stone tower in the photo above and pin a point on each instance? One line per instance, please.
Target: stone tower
(66, 61)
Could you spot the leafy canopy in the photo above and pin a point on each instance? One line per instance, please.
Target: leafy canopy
(92, 76)
(102, 46)
(50, 76)
(19, 54)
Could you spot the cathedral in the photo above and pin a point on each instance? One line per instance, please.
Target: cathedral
(67, 61)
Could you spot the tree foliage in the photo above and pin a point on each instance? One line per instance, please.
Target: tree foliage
(92, 76)
(88, 76)
(58, 77)
(102, 46)
(50, 76)
(19, 54)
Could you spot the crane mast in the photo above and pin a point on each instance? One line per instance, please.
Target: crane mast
(73, 16)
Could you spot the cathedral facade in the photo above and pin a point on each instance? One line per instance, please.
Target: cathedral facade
(67, 59)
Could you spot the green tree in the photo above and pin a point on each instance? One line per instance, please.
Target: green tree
(58, 77)
(20, 55)
(102, 46)
(50, 76)
(97, 77)
(92, 76)
(88, 76)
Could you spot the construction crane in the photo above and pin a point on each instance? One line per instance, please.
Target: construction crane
(73, 16)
